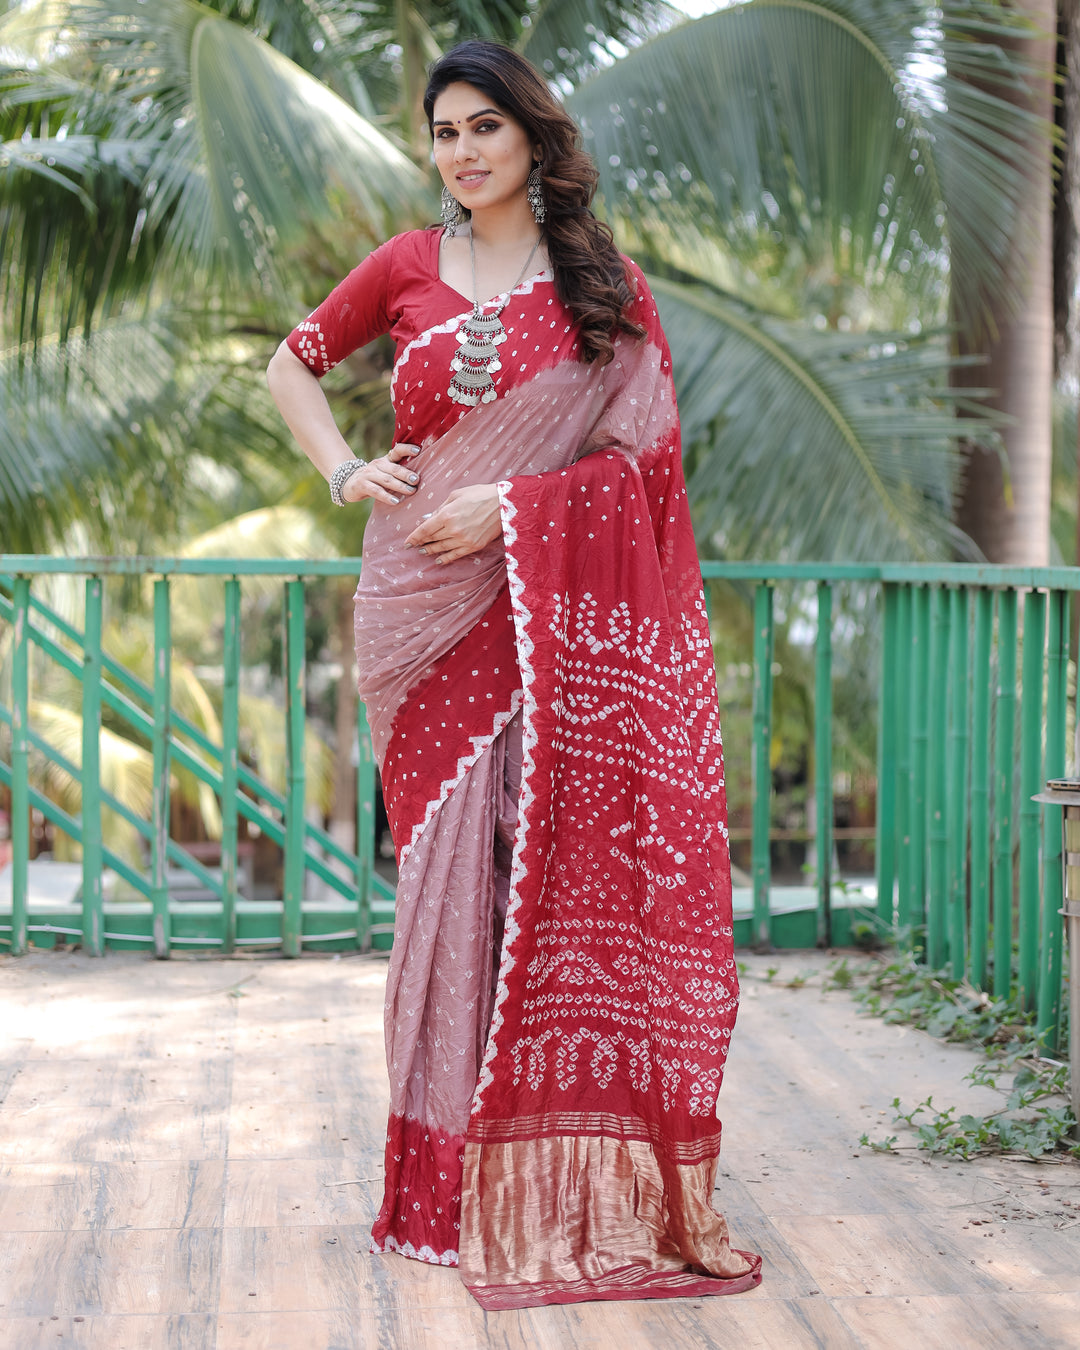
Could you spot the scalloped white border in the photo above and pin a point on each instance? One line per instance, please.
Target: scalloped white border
(464, 764)
(428, 1254)
(422, 340)
(522, 618)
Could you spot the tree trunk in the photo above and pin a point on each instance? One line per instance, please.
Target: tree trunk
(412, 80)
(1067, 221)
(1006, 509)
(1067, 191)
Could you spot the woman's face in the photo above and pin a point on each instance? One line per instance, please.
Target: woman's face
(482, 153)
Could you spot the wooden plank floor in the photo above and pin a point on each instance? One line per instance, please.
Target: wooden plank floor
(190, 1157)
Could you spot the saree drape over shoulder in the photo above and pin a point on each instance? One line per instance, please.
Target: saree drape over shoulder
(562, 986)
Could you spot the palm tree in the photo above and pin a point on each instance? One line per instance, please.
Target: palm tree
(807, 181)
(167, 173)
(879, 153)
(1067, 243)
(1004, 504)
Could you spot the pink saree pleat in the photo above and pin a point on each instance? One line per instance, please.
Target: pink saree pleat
(438, 1009)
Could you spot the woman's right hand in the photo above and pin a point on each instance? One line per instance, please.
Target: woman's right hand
(389, 479)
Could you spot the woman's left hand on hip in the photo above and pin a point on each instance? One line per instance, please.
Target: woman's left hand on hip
(466, 522)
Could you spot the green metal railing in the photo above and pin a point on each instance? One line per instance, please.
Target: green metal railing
(964, 856)
(176, 741)
(972, 719)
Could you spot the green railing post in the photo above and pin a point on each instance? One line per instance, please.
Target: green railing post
(1057, 697)
(1004, 767)
(159, 839)
(937, 780)
(905, 661)
(823, 761)
(93, 911)
(887, 767)
(292, 916)
(365, 826)
(920, 713)
(761, 766)
(1031, 782)
(980, 785)
(230, 761)
(957, 809)
(20, 765)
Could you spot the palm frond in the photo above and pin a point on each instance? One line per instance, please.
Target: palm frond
(873, 139)
(72, 424)
(570, 39)
(266, 148)
(809, 444)
(72, 231)
(233, 154)
(144, 423)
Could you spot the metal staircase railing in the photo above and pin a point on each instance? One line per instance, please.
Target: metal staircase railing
(178, 742)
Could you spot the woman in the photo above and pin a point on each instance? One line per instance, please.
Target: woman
(534, 654)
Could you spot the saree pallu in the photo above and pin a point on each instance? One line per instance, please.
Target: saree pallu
(562, 986)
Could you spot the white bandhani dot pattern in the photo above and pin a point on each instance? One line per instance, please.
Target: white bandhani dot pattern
(311, 347)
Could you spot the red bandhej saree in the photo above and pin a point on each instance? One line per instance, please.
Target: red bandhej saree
(562, 987)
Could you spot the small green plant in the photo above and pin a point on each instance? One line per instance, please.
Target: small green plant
(771, 973)
(867, 935)
(839, 975)
(878, 1145)
(953, 1010)
(968, 1136)
(1034, 1117)
(796, 982)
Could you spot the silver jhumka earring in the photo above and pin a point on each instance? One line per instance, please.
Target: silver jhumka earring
(535, 193)
(452, 214)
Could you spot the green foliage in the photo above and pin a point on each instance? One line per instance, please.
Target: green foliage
(1034, 1118)
(905, 992)
(875, 140)
(572, 39)
(801, 178)
(856, 431)
(164, 169)
(878, 1145)
(840, 975)
(233, 150)
(1046, 1129)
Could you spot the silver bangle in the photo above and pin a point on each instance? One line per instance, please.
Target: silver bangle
(340, 477)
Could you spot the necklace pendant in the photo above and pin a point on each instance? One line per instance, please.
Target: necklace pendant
(480, 335)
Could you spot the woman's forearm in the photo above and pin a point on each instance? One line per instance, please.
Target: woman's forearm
(303, 405)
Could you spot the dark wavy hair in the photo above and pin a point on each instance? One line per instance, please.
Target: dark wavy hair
(590, 277)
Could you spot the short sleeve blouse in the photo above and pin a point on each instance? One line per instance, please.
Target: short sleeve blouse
(397, 290)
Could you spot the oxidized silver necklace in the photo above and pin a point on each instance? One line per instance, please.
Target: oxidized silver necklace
(480, 336)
